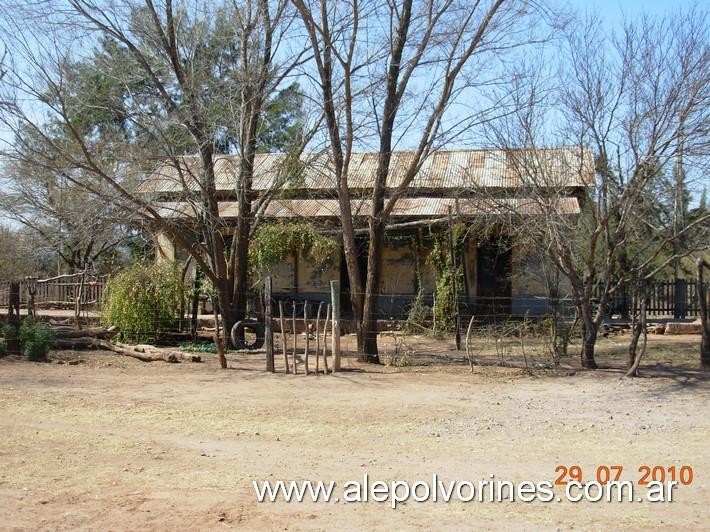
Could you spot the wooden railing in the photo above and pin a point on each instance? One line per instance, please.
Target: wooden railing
(58, 292)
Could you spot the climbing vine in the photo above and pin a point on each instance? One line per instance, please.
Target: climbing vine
(418, 311)
(273, 242)
(440, 260)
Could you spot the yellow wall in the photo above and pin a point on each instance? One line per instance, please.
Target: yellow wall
(398, 268)
(164, 248)
(282, 277)
(314, 279)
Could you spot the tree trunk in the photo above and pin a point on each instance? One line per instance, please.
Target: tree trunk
(353, 269)
(641, 326)
(240, 259)
(589, 337)
(705, 350)
(237, 309)
(228, 312)
(369, 352)
(636, 331)
(195, 307)
(220, 344)
(703, 296)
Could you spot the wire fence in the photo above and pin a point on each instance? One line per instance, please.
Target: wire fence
(409, 329)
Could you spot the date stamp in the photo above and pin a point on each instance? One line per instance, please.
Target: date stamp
(603, 474)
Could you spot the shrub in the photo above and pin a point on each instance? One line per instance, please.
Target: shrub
(400, 356)
(418, 312)
(144, 300)
(5, 331)
(35, 339)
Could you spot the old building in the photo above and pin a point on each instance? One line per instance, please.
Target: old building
(499, 275)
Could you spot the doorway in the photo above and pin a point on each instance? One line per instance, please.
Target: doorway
(494, 280)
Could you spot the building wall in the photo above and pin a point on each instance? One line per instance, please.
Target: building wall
(164, 248)
(399, 275)
(283, 275)
(313, 279)
(398, 286)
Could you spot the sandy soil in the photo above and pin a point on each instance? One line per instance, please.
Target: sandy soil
(113, 443)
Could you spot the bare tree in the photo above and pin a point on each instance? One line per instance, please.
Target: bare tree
(195, 79)
(21, 255)
(390, 74)
(81, 232)
(637, 100)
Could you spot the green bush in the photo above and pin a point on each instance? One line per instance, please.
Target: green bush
(417, 316)
(8, 331)
(144, 301)
(35, 339)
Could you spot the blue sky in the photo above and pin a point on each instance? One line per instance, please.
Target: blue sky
(613, 10)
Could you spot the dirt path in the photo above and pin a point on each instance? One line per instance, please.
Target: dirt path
(113, 443)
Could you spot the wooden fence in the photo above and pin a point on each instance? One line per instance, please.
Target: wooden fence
(671, 299)
(58, 292)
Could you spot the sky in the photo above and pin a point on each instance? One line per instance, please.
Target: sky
(611, 11)
(614, 10)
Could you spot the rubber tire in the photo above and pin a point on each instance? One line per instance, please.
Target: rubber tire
(256, 327)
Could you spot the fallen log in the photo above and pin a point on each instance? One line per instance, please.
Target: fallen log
(148, 350)
(133, 354)
(75, 343)
(95, 332)
(60, 323)
(130, 351)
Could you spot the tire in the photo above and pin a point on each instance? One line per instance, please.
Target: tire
(238, 334)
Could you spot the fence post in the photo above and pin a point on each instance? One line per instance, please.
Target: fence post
(679, 305)
(31, 287)
(79, 294)
(268, 326)
(295, 338)
(307, 348)
(335, 302)
(12, 340)
(282, 322)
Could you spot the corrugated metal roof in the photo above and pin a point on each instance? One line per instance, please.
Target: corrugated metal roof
(456, 169)
(420, 207)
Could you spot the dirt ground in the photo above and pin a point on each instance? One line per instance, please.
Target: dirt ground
(112, 443)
